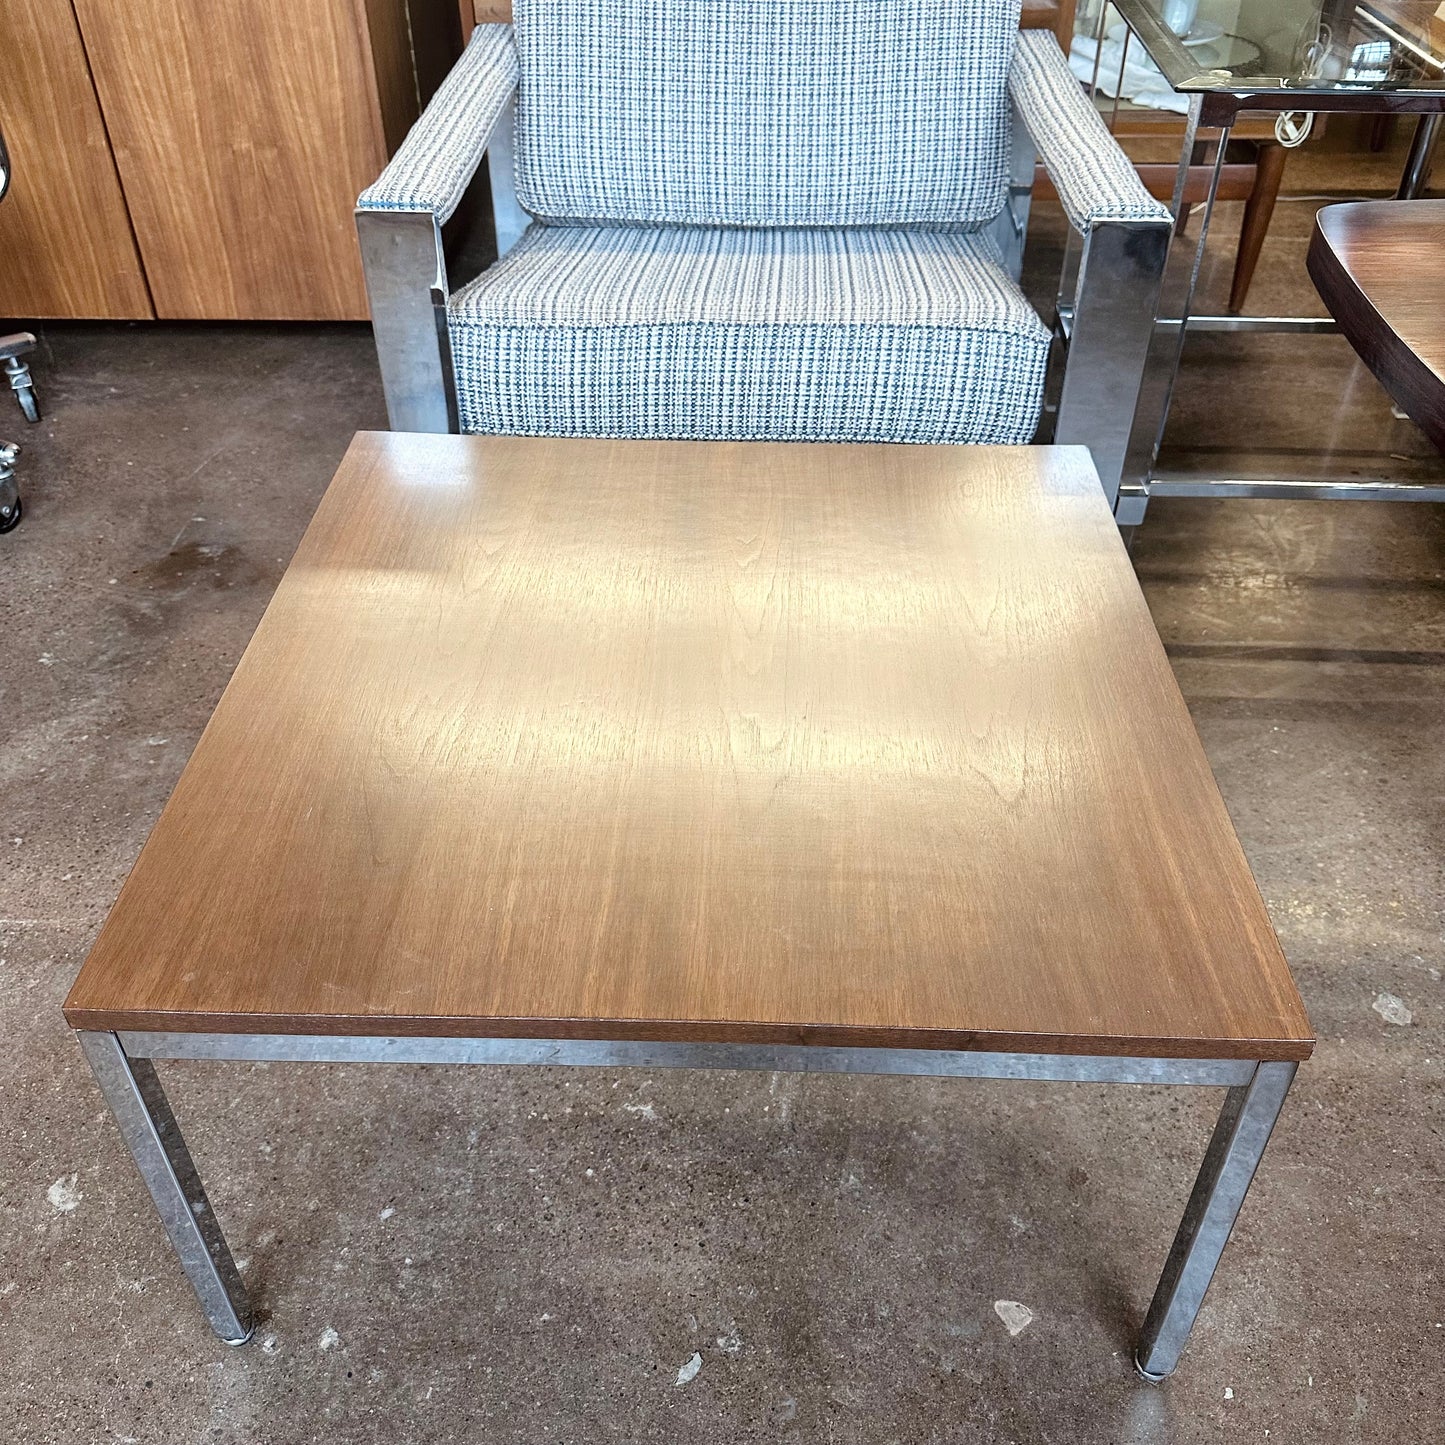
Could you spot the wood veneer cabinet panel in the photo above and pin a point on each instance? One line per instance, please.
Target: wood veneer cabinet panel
(66, 247)
(243, 134)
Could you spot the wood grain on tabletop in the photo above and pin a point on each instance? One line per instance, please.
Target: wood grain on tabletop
(857, 745)
(66, 247)
(243, 134)
(1380, 268)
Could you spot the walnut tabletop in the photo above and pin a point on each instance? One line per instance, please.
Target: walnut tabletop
(1380, 268)
(844, 745)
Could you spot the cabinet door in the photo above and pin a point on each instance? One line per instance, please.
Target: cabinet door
(243, 133)
(66, 247)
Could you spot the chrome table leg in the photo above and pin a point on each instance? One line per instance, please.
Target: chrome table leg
(1234, 1152)
(128, 1080)
(149, 1129)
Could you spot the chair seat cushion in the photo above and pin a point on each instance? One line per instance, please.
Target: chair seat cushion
(788, 335)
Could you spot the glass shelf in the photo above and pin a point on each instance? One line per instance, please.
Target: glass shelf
(1301, 54)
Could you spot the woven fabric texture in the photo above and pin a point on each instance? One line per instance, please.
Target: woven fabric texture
(434, 164)
(764, 112)
(1092, 175)
(782, 334)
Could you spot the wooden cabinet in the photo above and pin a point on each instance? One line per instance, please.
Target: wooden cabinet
(238, 138)
(66, 247)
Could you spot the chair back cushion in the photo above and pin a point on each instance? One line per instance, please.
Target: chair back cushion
(764, 112)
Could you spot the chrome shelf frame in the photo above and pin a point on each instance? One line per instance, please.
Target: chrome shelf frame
(1299, 489)
(1215, 100)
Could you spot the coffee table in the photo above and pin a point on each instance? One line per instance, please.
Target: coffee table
(751, 756)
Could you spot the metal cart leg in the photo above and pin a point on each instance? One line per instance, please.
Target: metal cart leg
(12, 348)
(10, 508)
(23, 387)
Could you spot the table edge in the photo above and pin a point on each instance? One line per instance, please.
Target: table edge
(700, 1031)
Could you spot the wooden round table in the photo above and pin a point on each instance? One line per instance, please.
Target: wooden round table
(1380, 268)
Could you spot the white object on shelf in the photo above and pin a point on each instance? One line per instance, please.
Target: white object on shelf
(1142, 82)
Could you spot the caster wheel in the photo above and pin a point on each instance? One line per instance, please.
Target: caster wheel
(10, 522)
(17, 373)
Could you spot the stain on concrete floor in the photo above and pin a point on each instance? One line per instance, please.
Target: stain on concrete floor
(525, 1255)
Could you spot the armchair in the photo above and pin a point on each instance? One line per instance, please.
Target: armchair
(716, 220)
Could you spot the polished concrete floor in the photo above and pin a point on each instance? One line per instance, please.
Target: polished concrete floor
(454, 1254)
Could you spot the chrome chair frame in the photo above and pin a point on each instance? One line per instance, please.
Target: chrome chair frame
(1103, 323)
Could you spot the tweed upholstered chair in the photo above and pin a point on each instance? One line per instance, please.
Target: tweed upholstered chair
(761, 219)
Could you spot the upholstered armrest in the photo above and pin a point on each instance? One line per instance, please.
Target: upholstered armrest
(436, 162)
(1092, 175)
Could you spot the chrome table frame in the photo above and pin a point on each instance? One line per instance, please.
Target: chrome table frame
(123, 1066)
(1211, 117)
